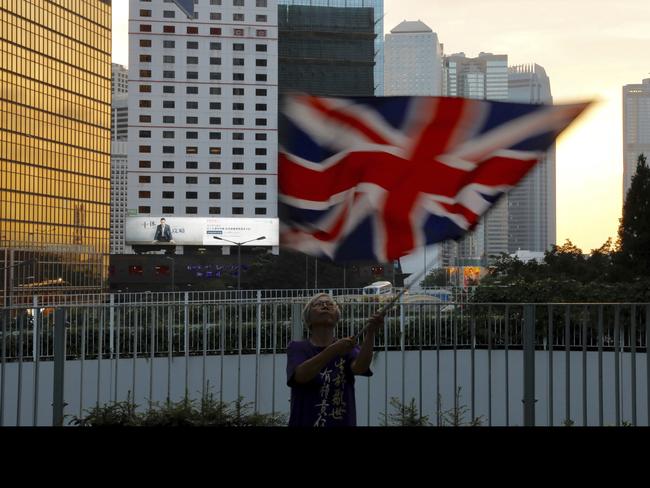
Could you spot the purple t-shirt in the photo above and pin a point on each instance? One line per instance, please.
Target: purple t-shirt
(327, 400)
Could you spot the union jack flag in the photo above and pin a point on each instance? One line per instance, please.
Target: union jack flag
(376, 178)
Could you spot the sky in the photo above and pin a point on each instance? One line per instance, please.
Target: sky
(589, 49)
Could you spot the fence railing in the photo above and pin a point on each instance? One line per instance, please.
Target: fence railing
(256, 325)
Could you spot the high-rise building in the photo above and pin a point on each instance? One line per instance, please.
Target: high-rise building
(203, 109)
(119, 79)
(55, 95)
(326, 51)
(413, 61)
(483, 78)
(531, 204)
(636, 128)
(378, 9)
(119, 170)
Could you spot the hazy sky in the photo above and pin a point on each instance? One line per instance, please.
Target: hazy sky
(589, 48)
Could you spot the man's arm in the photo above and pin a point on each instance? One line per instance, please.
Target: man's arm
(362, 362)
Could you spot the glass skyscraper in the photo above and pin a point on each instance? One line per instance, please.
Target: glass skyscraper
(55, 111)
(378, 6)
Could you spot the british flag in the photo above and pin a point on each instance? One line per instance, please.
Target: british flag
(376, 178)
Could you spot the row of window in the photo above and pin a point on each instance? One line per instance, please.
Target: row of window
(235, 3)
(146, 210)
(238, 121)
(214, 90)
(169, 59)
(239, 151)
(236, 17)
(194, 75)
(192, 195)
(194, 180)
(214, 46)
(236, 136)
(213, 165)
(194, 105)
(194, 30)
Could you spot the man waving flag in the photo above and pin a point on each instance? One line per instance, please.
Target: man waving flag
(376, 178)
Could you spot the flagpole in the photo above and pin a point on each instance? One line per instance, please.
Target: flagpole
(384, 309)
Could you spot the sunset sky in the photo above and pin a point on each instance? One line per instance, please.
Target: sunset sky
(589, 49)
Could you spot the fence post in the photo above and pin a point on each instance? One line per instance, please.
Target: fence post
(297, 329)
(529, 365)
(59, 367)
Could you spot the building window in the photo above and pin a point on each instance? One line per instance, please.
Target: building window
(168, 180)
(144, 164)
(191, 135)
(215, 16)
(261, 32)
(215, 165)
(191, 150)
(145, 149)
(238, 61)
(169, 74)
(238, 151)
(238, 47)
(145, 88)
(191, 210)
(145, 73)
(168, 134)
(192, 30)
(237, 136)
(192, 45)
(238, 92)
(145, 134)
(238, 76)
(169, 44)
(192, 105)
(168, 210)
(145, 58)
(260, 62)
(236, 32)
(215, 180)
(169, 59)
(215, 90)
(145, 42)
(215, 46)
(192, 90)
(215, 61)
(144, 179)
(215, 210)
(168, 195)
(215, 195)
(215, 31)
(169, 29)
(145, 13)
(169, 104)
(237, 211)
(192, 60)
(260, 137)
(260, 151)
(260, 3)
(260, 92)
(260, 18)
(169, 89)
(238, 121)
(260, 107)
(261, 48)
(168, 164)
(215, 150)
(215, 135)
(145, 27)
(145, 119)
(192, 75)
(168, 149)
(238, 196)
(261, 167)
(238, 17)
(238, 166)
(191, 120)
(191, 180)
(260, 196)
(260, 181)
(260, 122)
(259, 77)
(215, 76)
(215, 105)
(191, 195)
(168, 119)
(238, 181)
(215, 120)
(169, 14)
(191, 165)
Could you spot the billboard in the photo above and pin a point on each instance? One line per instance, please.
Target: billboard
(200, 231)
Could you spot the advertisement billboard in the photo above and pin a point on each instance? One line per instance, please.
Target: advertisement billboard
(200, 231)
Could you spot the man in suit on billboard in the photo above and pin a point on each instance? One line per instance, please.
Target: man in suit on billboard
(163, 233)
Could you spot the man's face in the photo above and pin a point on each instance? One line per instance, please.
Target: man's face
(162, 222)
(323, 311)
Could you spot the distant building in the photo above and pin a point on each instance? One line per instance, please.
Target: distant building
(636, 128)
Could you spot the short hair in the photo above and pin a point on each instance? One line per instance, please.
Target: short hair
(310, 303)
(163, 219)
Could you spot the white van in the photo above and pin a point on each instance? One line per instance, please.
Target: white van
(378, 288)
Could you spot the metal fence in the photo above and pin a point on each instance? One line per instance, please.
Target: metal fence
(217, 325)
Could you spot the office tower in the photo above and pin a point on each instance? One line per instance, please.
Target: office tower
(119, 79)
(531, 204)
(326, 51)
(203, 109)
(378, 9)
(119, 170)
(636, 128)
(485, 78)
(54, 146)
(412, 61)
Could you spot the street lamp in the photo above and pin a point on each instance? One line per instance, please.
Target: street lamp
(173, 266)
(239, 245)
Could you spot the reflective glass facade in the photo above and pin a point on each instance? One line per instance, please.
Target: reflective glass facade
(55, 116)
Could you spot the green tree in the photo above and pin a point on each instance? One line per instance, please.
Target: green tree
(437, 277)
(634, 229)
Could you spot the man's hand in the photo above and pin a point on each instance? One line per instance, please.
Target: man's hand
(376, 322)
(344, 346)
